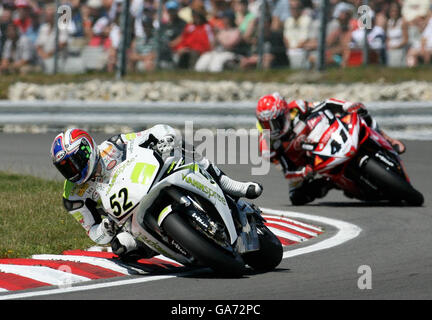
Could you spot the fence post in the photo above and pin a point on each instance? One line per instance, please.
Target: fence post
(122, 57)
(158, 34)
(322, 35)
(56, 32)
(365, 52)
(261, 23)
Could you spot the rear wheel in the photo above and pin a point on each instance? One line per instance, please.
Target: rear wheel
(201, 248)
(393, 186)
(270, 253)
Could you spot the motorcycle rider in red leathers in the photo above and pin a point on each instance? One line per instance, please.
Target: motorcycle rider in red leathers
(289, 128)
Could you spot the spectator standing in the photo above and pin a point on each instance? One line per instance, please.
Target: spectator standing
(397, 28)
(274, 54)
(196, 39)
(25, 21)
(227, 46)
(5, 20)
(311, 44)
(216, 19)
(107, 34)
(281, 12)
(376, 39)
(143, 49)
(92, 12)
(397, 33)
(76, 28)
(339, 35)
(297, 31)
(421, 50)
(171, 32)
(45, 42)
(417, 14)
(18, 52)
(185, 11)
(244, 18)
(76, 25)
(413, 9)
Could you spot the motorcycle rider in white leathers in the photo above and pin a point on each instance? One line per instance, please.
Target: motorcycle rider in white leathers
(84, 165)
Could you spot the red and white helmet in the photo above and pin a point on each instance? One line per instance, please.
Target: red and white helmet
(75, 154)
(272, 113)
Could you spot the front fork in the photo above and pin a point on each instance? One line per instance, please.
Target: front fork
(247, 240)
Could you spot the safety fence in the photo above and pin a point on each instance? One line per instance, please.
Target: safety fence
(405, 119)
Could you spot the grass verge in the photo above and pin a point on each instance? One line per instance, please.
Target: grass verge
(33, 219)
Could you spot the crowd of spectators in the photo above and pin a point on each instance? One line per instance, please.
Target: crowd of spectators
(211, 35)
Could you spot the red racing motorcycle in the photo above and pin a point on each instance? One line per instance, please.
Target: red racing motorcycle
(358, 159)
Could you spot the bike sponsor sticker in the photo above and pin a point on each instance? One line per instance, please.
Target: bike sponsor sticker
(209, 192)
(111, 165)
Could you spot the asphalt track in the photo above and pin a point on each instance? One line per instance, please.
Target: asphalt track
(394, 242)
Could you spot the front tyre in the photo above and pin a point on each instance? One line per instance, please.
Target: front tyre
(270, 253)
(206, 252)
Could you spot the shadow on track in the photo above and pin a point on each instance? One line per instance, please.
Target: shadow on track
(361, 204)
(207, 273)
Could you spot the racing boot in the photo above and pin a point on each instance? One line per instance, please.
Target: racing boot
(128, 250)
(309, 190)
(237, 189)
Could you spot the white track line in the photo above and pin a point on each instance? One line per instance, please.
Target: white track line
(287, 235)
(94, 286)
(346, 231)
(43, 274)
(290, 226)
(99, 262)
(296, 222)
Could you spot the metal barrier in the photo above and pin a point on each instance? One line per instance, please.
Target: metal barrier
(391, 115)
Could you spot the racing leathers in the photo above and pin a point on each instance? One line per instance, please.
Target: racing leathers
(84, 204)
(288, 152)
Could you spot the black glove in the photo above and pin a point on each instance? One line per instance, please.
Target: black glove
(166, 144)
(109, 227)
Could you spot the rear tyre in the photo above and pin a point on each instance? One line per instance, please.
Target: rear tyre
(206, 252)
(393, 186)
(270, 253)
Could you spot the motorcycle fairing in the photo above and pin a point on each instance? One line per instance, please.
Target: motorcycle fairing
(335, 141)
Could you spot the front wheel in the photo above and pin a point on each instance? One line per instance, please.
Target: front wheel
(270, 253)
(202, 249)
(393, 186)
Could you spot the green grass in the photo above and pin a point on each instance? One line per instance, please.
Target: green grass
(33, 219)
(330, 76)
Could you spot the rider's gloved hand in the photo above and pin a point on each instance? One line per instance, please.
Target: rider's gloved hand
(307, 171)
(166, 144)
(352, 107)
(397, 145)
(109, 227)
(303, 173)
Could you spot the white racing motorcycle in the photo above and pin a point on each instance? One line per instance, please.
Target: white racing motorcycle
(178, 210)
